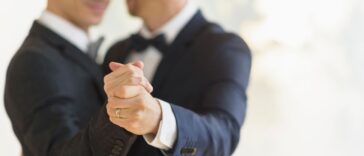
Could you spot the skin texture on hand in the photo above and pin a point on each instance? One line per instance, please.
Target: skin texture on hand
(130, 74)
(128, 90)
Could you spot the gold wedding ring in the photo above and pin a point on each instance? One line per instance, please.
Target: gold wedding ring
(118, 113)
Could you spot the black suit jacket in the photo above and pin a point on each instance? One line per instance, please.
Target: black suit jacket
(204, 76)
(55, 100)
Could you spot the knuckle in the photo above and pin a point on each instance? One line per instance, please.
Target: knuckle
(129, 74)
(141, 106)
(134, 125)
(134, 74)
(106, 79)
(106, 87)
(129, 67)
(108, 109)
(112, 120)
(138, 115)
(132, 81)
(122, 91)
(109, 106)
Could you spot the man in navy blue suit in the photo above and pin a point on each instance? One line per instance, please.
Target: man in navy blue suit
(199, 72)
(54, 94)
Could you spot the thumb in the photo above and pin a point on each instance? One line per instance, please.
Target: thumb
(114, 66)
(138, 64)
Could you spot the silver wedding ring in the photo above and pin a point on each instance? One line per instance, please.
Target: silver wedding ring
(118, 113)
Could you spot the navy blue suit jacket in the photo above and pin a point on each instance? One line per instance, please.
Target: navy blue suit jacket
(204, 76)
(55, 100)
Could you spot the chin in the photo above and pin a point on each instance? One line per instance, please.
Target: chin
(91, 21)
(95, 17)
(95, 21)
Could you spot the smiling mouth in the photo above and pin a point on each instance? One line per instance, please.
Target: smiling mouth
(98, 8)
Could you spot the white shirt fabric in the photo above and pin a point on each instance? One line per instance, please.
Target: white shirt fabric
(66, 29)
(167, 131)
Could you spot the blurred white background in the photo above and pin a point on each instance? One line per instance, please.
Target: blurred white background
(306, 95)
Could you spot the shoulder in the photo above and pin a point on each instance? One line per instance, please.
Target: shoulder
(34, 56)
(225, 55)
(215, 44)
(217, 38)
(37, 48)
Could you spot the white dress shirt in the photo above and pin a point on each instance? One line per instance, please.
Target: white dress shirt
(65, 29)
(167, 132)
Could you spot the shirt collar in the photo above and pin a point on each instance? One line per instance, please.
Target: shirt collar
(173, 26)
(65, 29)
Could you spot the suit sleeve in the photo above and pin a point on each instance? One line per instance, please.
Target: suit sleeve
(45, 113)
(214, 128)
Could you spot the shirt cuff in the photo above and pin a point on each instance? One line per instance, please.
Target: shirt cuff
(167, 131)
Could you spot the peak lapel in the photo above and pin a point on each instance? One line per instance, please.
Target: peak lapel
(177, 50)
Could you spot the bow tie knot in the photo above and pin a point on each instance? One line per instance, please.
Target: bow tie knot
(139, 43)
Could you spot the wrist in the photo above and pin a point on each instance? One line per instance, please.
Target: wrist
(158, 112)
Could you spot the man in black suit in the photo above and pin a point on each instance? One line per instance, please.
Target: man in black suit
(199, 72)
(54, 94)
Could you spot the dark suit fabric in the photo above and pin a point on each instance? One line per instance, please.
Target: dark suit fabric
(55, 100)
(204, 76)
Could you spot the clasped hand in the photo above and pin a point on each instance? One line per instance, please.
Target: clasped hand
(130, 104)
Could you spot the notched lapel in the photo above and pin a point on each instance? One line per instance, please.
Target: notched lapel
(71, 52)
(80, 58)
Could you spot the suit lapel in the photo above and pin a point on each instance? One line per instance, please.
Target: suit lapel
(80, 58)
(177, 50)
(71, 52)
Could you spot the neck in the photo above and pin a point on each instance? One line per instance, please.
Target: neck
(60, 13)
(157, 19)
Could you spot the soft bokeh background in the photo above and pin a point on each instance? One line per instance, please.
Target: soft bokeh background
(306, 95)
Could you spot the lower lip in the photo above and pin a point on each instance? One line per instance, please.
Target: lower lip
(97, 7)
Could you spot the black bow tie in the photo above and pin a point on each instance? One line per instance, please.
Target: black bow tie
(139, 43)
